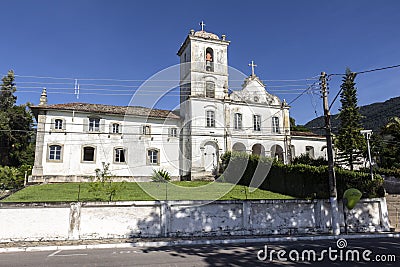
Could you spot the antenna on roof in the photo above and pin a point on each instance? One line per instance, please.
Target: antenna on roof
(76, 91)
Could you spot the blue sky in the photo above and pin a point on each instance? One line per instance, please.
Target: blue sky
(133, 40)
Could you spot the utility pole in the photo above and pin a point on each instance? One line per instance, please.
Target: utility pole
(332, 179)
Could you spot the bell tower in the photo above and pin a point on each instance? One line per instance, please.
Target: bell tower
(203, 82)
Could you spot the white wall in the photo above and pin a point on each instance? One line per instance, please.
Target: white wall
(300, 143)
(182, 218)
(75, 136)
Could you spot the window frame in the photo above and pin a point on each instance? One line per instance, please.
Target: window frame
(60, 152)
(257, 123)
(144, 130)
(118, 127)
(275, 125)
(94, 128)
(58, 124)
(310, 149)
(149, 158)
(115, 155)
(210, 120)
(173, 132)
(83, 154)
(238, 121)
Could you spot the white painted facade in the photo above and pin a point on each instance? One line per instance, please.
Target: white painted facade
(211, 122)
(75, 136)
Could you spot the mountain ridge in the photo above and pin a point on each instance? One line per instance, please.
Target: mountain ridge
(375, 116)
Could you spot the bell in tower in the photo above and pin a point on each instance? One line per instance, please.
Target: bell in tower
(209, 59)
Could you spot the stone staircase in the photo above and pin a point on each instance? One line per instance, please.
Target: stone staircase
(393, 204)
(200, 174)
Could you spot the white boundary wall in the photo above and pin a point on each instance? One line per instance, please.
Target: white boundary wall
(45, 221)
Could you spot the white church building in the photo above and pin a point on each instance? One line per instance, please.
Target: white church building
(74, 139)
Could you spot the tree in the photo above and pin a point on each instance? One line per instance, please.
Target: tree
(386, 146)
(16, 122)
(350, 141)
(298, 127)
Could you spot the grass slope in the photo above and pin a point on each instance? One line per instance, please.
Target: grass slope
(68, 192)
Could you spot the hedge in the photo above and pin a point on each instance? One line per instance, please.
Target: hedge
(298, 180)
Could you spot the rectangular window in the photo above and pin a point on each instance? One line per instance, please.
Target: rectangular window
(237, 124)
(257, 122)
(310, 151)
(173, 132)
(58, 124)
(146, 130)
(115, 128)
(119, 155)
(88, 153)
(275, 125)
(152, 156)
(94, 125)
(210, 118)
(55, 152)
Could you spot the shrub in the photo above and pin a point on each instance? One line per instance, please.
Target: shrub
(298, 180)
(160, 176)
(11, 178)
(306, 159)
(102, 184)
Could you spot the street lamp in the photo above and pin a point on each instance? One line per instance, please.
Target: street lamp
(367, 134)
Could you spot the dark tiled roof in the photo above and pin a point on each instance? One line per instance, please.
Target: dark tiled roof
(308, 134)
(109, 109)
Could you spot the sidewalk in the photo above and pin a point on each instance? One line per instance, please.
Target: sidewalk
(159, 242)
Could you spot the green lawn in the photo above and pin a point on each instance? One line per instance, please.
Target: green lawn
(197, 190)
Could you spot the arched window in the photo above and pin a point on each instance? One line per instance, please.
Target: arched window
(153, 156)
(209, 59)
(119, 155)
(210, 89)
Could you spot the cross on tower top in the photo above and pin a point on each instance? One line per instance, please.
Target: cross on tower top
(252, 65)
(202, 25)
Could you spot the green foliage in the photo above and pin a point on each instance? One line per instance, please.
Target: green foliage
(306, 159)
(394, 172)
(161, 176)
(349, 141)
(298, 128)
(299, 180)
(16, 127)
(11, 178)
(102, 184)
(386, 145)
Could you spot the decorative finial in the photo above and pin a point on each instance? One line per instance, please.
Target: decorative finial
(223, 36)
(191, 32)
(202, 25)
(252, 65)
(43, 98)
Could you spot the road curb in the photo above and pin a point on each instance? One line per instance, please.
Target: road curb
(197, 242)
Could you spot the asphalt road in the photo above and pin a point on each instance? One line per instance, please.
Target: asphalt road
(222, 255)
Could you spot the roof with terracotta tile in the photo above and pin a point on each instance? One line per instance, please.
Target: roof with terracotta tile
(309, 134)
(109, 109)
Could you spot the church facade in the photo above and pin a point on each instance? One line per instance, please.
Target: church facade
(74, 139)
